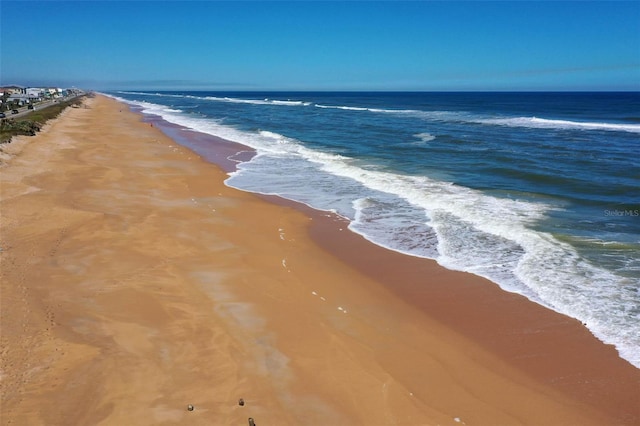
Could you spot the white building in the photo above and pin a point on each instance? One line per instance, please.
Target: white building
(21, 99)
(35, 93)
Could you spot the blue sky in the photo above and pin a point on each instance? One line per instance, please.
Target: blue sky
(356, 45)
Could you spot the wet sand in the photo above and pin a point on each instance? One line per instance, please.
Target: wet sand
(135, 283)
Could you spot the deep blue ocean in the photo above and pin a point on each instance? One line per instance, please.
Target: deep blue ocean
(539, 192)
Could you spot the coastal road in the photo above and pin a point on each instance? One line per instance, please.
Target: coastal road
(23, 111)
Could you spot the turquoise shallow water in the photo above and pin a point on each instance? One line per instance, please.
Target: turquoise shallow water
(539, 192)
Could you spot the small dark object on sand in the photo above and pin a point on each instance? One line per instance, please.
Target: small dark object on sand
(251, 422)
(190, 407)
(241, 402)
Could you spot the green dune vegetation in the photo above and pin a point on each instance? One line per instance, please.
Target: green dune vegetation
(31, 123)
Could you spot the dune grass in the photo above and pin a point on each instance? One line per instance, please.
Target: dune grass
(31, 123)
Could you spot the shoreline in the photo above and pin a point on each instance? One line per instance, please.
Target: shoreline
(534, 325)
(204, 291)
(609, 336)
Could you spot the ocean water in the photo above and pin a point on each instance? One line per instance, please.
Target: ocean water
(538, 192)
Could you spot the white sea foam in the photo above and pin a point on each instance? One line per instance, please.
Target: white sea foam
(279, 102)
(257, 101)
(461, 228)
(346, 108)
(425, 137)
(376, 110)
(543, 123)
(463, 116)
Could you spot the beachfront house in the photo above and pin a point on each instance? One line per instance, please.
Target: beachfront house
(53, 92)
(35, 94)
(19, 99)
(14, 90)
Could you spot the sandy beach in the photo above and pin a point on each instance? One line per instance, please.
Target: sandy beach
(134, 283)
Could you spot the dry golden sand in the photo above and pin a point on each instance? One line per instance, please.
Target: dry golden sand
(135, 283)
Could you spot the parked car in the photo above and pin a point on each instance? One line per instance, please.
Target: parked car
(14, 111)
(30, 107)
(3, 115)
